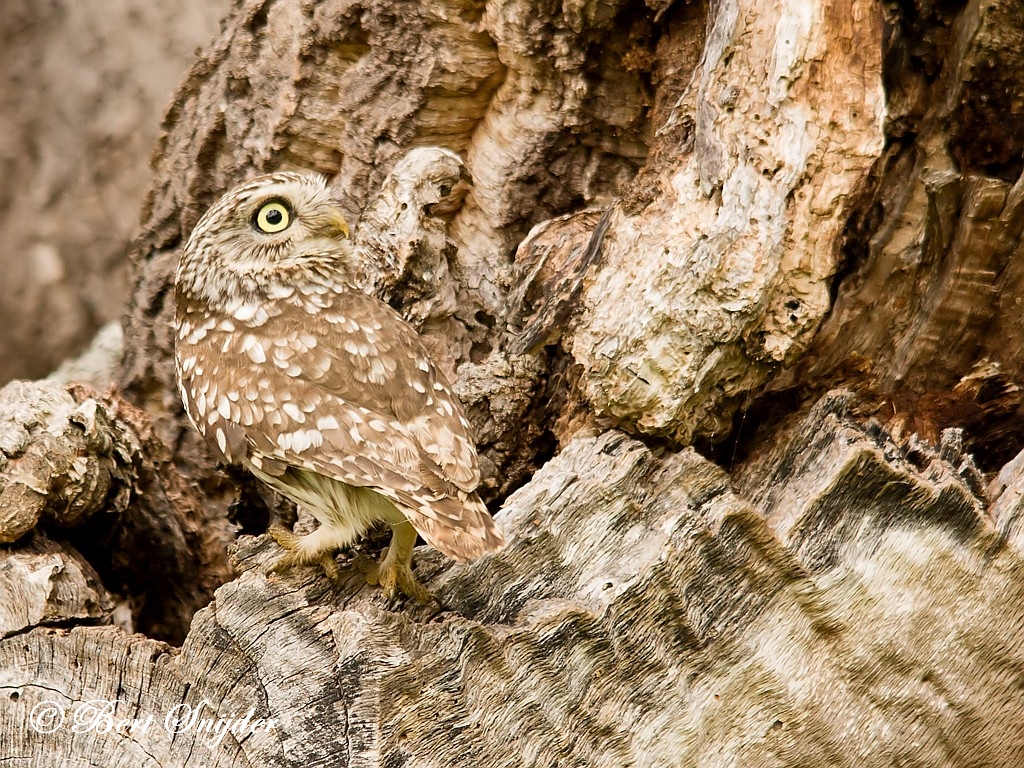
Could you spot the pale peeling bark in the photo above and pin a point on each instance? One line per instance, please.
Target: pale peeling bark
(927, 318)
(726, 275)
(635, 218)
(87, 468)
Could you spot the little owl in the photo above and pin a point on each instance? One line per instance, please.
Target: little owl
(321, 391)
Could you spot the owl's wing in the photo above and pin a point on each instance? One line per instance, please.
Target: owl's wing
(340, 361)
(317, 431)
(366, 355)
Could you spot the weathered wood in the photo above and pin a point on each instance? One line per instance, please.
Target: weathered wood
(42, 584)
(643, 614)
(926, 318)
(88, 469)
(725, 275)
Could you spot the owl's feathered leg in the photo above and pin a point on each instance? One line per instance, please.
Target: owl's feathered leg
(394, 572)
(305, 550)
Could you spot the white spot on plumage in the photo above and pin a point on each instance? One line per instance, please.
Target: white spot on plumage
(377, 373)
(293, 412)
(327, 422)
(418, 386)
(222, 440)
(277, 291)
(249, 312)
(196, 335)
(299, 441)
(254, 349)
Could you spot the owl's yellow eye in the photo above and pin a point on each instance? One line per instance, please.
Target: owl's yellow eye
(273, 216)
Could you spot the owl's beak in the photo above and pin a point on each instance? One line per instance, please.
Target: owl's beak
(332, 223)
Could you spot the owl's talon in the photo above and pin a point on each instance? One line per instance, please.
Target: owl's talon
(397, 583)
(394, 572)
(294, 554)
(330, 568)
(286, 539)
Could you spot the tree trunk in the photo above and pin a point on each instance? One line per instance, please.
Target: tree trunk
(729, 292)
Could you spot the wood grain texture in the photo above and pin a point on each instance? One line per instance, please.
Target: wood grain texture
(926, 320)
(643, 614)
(726, 275)
(87, 468)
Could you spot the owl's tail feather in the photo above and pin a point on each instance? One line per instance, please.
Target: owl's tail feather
(459, 526)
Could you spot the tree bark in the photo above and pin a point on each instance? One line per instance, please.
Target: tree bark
(729, 292)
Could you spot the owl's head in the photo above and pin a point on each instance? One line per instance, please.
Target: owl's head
(259, 228)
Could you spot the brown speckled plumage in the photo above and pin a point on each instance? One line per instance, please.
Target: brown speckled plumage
(320, 390)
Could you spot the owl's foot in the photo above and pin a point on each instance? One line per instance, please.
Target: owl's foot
(303, 550)
(394, 572)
